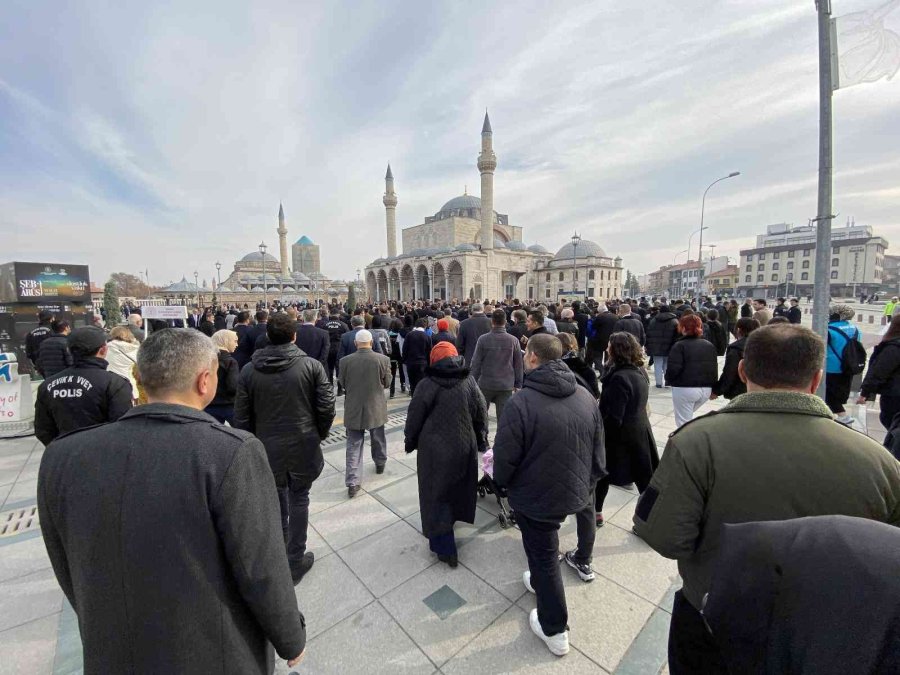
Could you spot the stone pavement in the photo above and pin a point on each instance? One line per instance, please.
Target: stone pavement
(376, 598)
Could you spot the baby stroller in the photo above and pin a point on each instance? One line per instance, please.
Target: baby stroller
(487, 486)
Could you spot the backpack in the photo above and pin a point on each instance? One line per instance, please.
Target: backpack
(853, 356)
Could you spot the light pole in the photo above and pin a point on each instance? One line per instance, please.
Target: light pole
(575, 241)
(218, 276)
(691, 238)
(675, 257)
(197, 287)
(262, 253)
(703, 207)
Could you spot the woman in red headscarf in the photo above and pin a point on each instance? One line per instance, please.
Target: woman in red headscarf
(447, 423)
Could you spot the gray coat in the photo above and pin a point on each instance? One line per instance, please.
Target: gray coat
(497, 364)
(165, 535)
(364, 376)
(469, 331)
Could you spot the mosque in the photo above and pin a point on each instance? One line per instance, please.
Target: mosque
(469, 250)
(260, 275)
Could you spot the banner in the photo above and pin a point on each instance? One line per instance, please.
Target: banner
(10, 389)
(41, 282)
(865, 49)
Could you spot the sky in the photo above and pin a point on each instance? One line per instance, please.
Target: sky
(162, 136)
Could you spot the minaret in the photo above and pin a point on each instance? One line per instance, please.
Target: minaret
(390, 209)
(487, 162)
(282, 240)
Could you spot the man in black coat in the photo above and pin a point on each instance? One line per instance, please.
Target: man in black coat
(348, 340)
(313, 341)
(795, 314)
(416, 352)
(84, 394)
(53, 355)
(581, 318)
(285, 399)
(661, 335)
(470, 330)
(254, 338)
(599, 330)
(549, 454)
(630, 323)
(162, 529)
(335, 328)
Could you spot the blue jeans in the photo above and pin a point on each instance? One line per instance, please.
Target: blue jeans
(659, 369)
(293, 499)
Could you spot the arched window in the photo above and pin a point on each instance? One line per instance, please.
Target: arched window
(561, 276)
(591, 275)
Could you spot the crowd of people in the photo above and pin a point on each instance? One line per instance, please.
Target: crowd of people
(226, 418)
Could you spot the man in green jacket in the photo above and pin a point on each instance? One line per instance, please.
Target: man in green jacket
(889, 307)
(773, 453)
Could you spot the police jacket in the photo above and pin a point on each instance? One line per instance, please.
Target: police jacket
(33, 342)
(81, 396)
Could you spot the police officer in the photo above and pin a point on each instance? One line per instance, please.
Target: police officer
(34, 339)
(84, 394)
(336, 329)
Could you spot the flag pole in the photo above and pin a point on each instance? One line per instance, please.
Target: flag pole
(822, 289)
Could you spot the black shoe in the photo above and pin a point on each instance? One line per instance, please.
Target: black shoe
(451, 560)
(352, 491)
(306, 563)
(392, 394)
(379, 468)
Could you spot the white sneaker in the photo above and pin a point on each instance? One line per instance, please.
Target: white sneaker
(526, 579)
(557, 644)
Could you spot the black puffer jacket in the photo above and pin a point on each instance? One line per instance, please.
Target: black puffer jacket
(729, 384)
(447, 423)
(661, 334)
(53, 356)
(883, 375)
(285, 399)
(81, 396)
(692, 363)
(549, 448)
(631, 324)
(584, 374)
(715, 333)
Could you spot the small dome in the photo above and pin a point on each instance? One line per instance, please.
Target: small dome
(466, 247)
(537, 248)
(462, 202)
(418, 252)
(256, 256)
(586, 249)
(299, 275)
(304, 241)
(499, 243)
(516, 246)
(289, 289)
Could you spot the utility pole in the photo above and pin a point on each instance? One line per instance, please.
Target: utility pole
(822, 286)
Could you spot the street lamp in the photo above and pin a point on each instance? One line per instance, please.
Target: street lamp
(575, 241)
(691, 238)
(675, 257)
(703, 207)
(197, 287)
(218, 276)
(262, 253)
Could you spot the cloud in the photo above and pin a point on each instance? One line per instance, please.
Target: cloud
(165, 135)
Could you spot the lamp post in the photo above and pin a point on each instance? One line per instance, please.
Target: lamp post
(703, 207)
(675, 257)
(262, 253)
(197, 287)
(575, 241)
(218, 276)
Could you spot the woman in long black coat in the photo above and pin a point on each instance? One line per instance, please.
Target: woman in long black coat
(631, 455)
(447, 423)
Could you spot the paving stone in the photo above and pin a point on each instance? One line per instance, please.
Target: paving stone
(370, 480)
(22, 490)
(351, 521)
(9, 476)
(328, 594)
(616, 500)
(509, 646)
(464, 532)
(401, 497)
(29, 648)
(438, 631)
(370, 641)
(327, 492)
(29, 597)
(316, 544)
(604, 618)
(405, 549)
(22, 557)
(497, 557)
(16, 446)
(4, 491)
(648, 652)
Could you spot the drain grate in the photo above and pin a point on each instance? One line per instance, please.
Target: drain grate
(19, 521)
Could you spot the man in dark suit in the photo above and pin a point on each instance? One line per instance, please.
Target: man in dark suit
(253, 339)
(313, 341)
(220, 560)
(348, 340)
(470, 330)
(194, 318)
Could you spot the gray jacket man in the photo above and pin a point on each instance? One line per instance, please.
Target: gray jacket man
(364, 376)
(497, 364)
(162, 529)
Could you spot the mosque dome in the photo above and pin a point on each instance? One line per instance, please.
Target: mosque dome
(462, 202)
(537, 248)
(516, 246)
(304, 241)
(466, 247)
(256, 256)
(586, 249)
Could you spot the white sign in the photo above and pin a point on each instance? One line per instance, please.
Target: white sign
(164, 312)
(10, 389)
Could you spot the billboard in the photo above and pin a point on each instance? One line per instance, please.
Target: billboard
(43, 282)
